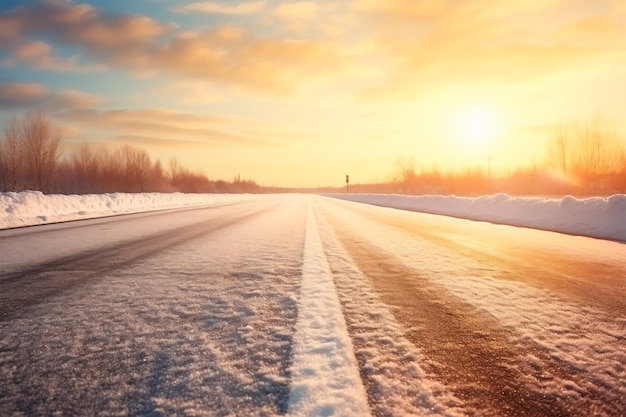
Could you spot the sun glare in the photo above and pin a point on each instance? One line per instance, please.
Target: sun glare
(476, 126)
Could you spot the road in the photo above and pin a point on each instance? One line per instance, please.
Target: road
(210, 311)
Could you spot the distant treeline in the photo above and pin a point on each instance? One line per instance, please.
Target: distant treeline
(580, 159)
(30, 159)
(587, 159)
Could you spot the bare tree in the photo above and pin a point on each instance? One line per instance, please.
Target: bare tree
(558, 152)
(406, 174)
(11, 151)
(595, 153)
(86, 167)
(30, 159)
(175, 172)
(157, 179)
(589, 153)
(136, 165)
(42, 146)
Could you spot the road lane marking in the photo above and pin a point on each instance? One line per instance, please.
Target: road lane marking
(325, 375)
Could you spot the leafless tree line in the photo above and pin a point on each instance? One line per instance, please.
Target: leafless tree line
(29, 154)
(30, 159)
(589, 156)
(407, 180)
(582, 159)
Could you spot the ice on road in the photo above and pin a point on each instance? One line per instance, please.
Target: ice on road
(309, 306)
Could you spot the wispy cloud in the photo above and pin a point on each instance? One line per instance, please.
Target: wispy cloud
(81, 25)
(39, 55)
(169, 126)
(210, 7)
(189, 92)
(19, 95)
(37, 96)
(425, 46)
(75, 99)
(272, 65)
(297, 11)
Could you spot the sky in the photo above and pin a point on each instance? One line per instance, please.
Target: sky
(302, 93)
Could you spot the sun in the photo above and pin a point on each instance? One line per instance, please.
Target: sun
(476, 126)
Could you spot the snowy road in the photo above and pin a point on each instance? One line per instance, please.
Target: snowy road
(304, 305)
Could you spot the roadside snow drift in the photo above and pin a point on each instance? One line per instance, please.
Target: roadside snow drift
(597, 217)
(30, 208)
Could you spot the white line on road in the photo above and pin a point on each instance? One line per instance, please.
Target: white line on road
(325, 376)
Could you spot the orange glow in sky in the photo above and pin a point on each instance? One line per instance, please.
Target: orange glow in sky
(299, 93)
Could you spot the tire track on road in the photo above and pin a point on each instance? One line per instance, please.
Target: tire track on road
(30, 286)
(470, 352)
(594, 284)
(203, 327)
(581, 380)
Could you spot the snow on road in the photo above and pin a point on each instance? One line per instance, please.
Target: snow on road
(391, 366)
(584, 342)
(325, 375)
(199, 321)
(262, 308)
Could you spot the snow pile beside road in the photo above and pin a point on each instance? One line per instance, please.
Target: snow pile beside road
(598, 217)
(595, 217)
(32, 207)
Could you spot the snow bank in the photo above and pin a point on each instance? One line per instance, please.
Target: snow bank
(597, 217)
(32, 207)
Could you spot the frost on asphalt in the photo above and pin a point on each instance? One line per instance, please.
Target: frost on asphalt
(204, 328)
(283, 309)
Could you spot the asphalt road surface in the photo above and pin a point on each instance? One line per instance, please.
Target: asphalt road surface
(195, 312)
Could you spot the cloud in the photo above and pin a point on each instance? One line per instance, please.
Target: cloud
(592, 31)
(189, 92)
(168, 125)
(223, 54)
(75, 99)
(210, 7)
(21, 95)
(271, 65)
(152, 140)
(37, 96)
(427, 46)
(405, 10)
(303, 10)
(385, 48)
(82, 25)
(39, 55)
